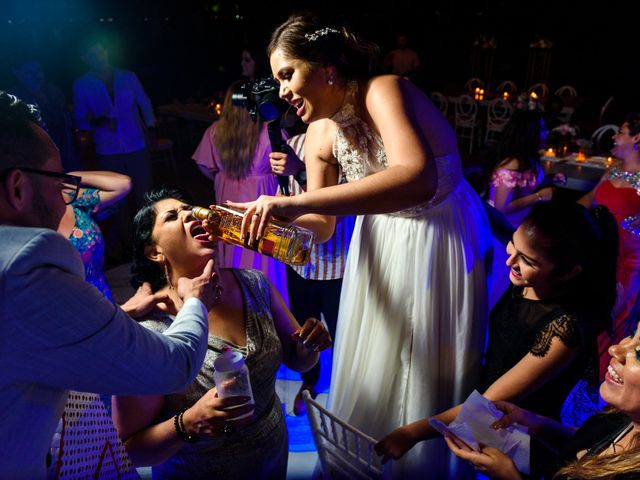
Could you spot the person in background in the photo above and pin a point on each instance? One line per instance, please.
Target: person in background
(514, 183)
(517, 174)
(34, 89)
(108, 102)
(402, 60)
(606, 446)
(99, 190)
(619, 191)
(211, 441)
(252, 63)
(414, 288)
(59, 332)
(314, 289)
(234, 153)
(542, 332)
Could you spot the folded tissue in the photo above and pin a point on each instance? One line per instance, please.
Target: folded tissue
(473, 427)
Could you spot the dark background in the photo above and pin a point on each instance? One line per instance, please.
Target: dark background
(185, 49)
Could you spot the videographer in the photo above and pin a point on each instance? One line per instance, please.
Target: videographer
(234, 153)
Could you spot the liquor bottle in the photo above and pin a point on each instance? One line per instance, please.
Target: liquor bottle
(287, 243)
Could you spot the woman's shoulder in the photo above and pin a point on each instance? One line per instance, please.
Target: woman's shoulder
(380, 89)
(564, 323)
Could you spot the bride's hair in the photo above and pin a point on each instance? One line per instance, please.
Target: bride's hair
(303, 36)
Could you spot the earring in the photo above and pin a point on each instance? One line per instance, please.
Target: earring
(330, 81)
(166, 275)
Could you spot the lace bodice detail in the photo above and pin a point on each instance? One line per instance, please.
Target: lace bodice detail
(360, 152)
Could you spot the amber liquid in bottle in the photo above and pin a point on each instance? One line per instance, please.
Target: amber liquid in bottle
(287, 243)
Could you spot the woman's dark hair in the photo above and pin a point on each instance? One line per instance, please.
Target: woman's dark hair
(20, 145)
(522, 139)
(143, 269)
(305, 37)
(568, 235)
(633, 120)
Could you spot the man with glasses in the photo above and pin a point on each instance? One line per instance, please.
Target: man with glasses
(58, 332)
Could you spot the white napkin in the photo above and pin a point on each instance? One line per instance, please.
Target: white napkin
(473, 426)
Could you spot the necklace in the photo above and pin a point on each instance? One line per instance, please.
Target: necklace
(632, 178)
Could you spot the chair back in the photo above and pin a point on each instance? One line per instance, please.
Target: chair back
(345, 452)
(603, 110)
(498, 116)
(473, 83)
(440, 101)
(466, 120)
(540, 89)
(601, 137)
(507, 86)
(566, 91)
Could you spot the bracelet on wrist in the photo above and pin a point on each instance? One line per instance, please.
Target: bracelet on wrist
(178, 424)
(539, 196)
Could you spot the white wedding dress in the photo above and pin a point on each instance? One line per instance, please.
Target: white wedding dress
(413, 307)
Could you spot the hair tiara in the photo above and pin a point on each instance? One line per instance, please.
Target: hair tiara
(321, 32)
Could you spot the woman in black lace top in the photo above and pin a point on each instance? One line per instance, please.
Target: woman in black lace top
(542, 331)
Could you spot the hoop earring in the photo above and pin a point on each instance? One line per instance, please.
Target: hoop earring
(166, 275)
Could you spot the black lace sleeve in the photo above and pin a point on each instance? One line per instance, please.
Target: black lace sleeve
(565, 327)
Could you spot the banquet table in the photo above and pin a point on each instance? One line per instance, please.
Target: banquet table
(582, 174)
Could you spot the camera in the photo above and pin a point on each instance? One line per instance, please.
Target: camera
(260, 98)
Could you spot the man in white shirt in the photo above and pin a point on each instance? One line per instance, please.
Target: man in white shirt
(108, 102)
(58, 332)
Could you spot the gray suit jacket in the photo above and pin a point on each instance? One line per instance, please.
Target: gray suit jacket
(59, 333)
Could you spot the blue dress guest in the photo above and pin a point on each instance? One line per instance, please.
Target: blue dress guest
(99, 190)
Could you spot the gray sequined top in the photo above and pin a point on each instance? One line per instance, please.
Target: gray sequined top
(260, 449)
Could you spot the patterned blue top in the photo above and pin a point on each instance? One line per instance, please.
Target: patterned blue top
(87, 238)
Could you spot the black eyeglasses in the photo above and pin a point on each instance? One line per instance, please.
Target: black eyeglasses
(69, 185)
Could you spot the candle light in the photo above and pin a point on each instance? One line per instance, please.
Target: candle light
(581, 156)
(608, 161)
(534, 96)
(218, 109)
(505, 95)
(550, 153)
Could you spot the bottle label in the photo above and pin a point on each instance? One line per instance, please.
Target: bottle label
(267, 247)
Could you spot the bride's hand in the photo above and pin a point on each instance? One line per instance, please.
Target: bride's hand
(258, 213)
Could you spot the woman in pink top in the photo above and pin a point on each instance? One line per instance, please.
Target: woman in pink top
(513, 188)
(515, 180)
(234, 153)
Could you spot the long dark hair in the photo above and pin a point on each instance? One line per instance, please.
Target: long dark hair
(305, 37)
(143, 269)
(569, 234)
(20, 145)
